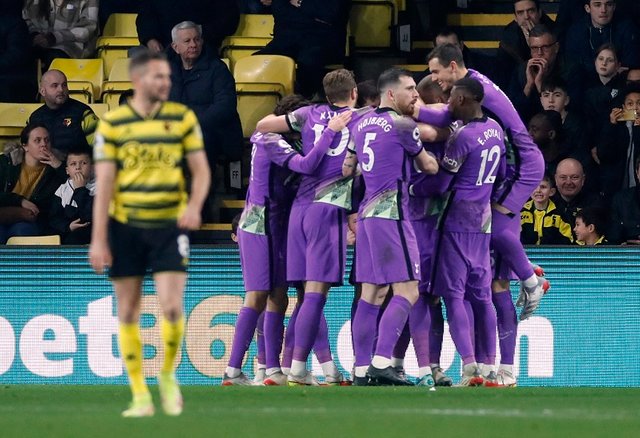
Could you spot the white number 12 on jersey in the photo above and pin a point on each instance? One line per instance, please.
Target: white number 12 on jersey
(493, 156)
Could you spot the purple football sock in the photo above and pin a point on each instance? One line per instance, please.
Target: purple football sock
(507, 326)
(471, 319)
(400, 350)
(289, 338)
(321, 347)
(260, 355)
(436, 334)
(459, 328)
(273, 331)
(364, 324)
(245, 327)
(420, 323)
(485, 331)
(391, 325)
(505, 239)
(307, 324)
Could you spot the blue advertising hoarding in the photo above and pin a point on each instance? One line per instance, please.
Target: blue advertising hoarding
(58, 323)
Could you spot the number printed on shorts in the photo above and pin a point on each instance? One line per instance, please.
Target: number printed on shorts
(183, 245)
(368, 138)
(318, 129)
(492, 156)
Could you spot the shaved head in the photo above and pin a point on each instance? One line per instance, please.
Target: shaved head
(54, 88)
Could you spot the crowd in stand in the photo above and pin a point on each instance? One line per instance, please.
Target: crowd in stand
(575, 83)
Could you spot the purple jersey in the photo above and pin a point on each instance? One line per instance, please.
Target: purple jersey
(473, 159)
(421, 207)
(272, 163)
(326, 184)
(524, 159)
(385, 144)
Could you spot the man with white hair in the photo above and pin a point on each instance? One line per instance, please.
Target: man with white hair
(203, 82)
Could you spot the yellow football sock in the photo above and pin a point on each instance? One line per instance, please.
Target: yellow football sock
(172, 338)
(131, 351)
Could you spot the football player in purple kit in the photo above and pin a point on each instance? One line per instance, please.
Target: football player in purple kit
(473, 160)
(525, 168)
(316, 240)
(261, 236)
(387, 144)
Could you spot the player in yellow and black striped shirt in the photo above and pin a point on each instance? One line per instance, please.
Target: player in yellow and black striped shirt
(140, 215)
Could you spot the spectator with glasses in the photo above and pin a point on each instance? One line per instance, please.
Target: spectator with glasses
(545, 64)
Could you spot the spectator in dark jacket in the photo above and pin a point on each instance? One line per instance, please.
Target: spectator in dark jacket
(571, 196)
(29, 176)
(313, 33)
(514, 44)
(72, 205)
(17, 66)
(619, 145)
(625, 214)
(545, 65)
(602, 26)
(219, 19)
(203, 83)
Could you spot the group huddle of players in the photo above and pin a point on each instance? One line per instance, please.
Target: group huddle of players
(433, 191)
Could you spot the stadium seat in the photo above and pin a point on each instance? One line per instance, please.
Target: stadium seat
(84, 76)
(371, 22)
(120, 34)
(266, 69)
(34, 240)
(253, 33)
(255, 101)
(99, 109)
(261, 81)
(118, 83)
(14, 116)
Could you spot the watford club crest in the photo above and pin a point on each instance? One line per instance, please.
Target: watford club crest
(67, 122)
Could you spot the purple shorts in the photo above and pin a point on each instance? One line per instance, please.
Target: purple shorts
(387, 252)
(263, 260)
(425, 231)
(316, 243)
(461, 263)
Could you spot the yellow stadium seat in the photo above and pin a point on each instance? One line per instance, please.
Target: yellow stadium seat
(14, 116)
(34, 240)
(85, 76)
(255, 101)
(266, 69)
(120, 34)
(227, 63)
(121, 25)
(117, 84)
(371, 22)
(253, 33)
(100, 109)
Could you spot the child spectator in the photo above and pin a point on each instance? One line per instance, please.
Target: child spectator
(555, 96)
(589, 228)
(541, 223)
(72, 205)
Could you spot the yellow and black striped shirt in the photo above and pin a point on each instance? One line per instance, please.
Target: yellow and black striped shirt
(149, 153)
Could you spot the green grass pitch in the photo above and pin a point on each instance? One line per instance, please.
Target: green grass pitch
(94, 411)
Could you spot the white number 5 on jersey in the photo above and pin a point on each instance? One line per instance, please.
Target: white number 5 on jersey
(368, 138)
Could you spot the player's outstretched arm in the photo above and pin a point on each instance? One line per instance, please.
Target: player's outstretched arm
(435, 115)
(99, 251)
(200, 182)
(273, 123)
(308, 164)
(432, 134)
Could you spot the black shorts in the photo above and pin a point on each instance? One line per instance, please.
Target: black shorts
(138, 250)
